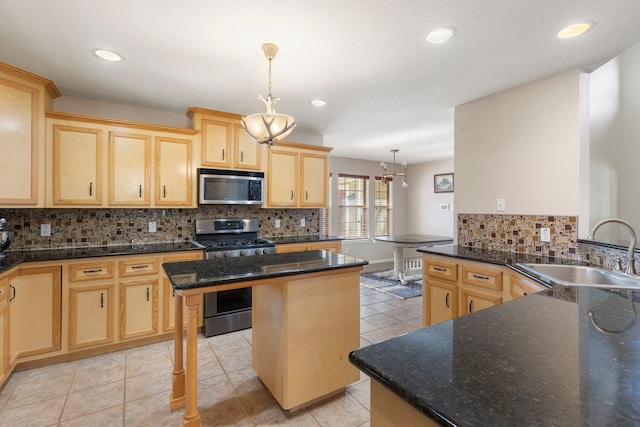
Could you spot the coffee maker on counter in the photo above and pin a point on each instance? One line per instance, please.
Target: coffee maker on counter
(5, 241)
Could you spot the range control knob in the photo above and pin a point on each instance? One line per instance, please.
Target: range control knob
(259, 251)
(218, 254)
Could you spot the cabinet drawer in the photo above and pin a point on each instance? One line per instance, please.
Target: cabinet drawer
(85, 271)
(441, 269)
(490, 279)
(520, 287)
(139, 266)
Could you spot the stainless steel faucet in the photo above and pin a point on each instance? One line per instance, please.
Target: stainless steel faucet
(631, 264)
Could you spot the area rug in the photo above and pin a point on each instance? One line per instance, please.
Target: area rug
(380, 281)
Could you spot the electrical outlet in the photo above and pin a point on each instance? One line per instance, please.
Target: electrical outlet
(444, 206)
(45, 230)
(152, 227)
(545, 234)
(302, 222)
(501, 205)
(277, 225)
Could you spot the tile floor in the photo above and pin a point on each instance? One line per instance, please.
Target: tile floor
(131, 387)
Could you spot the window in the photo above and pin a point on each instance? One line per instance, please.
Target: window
(382, 197)
(326, 213)
(352, 206)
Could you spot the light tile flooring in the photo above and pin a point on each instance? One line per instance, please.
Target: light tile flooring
(131, 387)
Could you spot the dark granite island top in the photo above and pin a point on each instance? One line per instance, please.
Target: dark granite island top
(312, 238)
(537, 360)
(218, 272)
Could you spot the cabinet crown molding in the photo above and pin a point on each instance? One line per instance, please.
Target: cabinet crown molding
(49, 85)
(117, 122)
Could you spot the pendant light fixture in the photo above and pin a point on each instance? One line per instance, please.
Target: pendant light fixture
(386, 177)
(270, 127)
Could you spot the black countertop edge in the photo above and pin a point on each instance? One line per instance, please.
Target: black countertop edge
(14, 258)
(283, 240)
(211, 272)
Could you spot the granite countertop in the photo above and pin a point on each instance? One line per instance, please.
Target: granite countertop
(13, 258)
(537, 360)
(283, 240)
(197, 274)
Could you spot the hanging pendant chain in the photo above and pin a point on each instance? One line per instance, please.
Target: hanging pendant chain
(269, 78)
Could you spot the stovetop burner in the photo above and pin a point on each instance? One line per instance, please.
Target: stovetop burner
(231, 238)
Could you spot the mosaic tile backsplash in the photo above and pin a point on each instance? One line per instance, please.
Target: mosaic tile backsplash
(520, 233)
(102, 227)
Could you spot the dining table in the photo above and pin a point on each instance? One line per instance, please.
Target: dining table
(402, 241)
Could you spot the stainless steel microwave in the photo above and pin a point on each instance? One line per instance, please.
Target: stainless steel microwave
(230, 187)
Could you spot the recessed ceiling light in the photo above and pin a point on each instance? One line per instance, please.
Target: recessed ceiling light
(441, 35)
(108, 55)
(574, 30)
(318, 102)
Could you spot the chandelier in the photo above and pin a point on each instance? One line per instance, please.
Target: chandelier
(386, 177)
(270, 127)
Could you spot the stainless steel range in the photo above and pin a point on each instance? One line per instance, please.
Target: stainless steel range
(228, 311)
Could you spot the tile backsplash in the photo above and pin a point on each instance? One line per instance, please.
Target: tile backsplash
(101, 227)
(520, 233)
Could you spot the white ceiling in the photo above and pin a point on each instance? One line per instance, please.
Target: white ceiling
(385, 86)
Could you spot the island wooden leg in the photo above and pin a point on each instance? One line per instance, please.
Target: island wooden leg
(191, 415)
(398, 263)
(176, 400)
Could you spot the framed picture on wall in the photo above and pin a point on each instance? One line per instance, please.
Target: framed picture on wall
(443, 183)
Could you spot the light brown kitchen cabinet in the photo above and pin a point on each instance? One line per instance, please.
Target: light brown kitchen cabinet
(24, 97)
(173, 172)
(4, 329)
(138, 308)
(77, 165)
(224, 142)
(35, 311)
(100, 162)
(442, 301)
(329, 245)
(129, 169)
(168, 296)
(471, 285)
(91, 314)
(297, 176)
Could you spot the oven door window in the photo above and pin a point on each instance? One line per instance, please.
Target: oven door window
(234, 300)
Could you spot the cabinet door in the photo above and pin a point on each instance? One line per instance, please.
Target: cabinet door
(520, 287)
(19, 144)
(472, 300)
(4, 341)
(77, 165)
(173, 176)
(247, 150)
(35, 311)
(282, 182)
(441, 302)
(217, 138)
(168, 297)
(138, 308)
(129, 169)
(314, 175)
(90, 315)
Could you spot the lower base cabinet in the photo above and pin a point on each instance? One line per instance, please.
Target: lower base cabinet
(91, 314)
(138, 308)
(35, 311)
(4, 340)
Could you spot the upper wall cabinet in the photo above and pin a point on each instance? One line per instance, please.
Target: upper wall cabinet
(297, 176)
(24, 97)
(97, 162)
(224, 142)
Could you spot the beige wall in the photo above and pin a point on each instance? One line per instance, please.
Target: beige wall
(423, 206)
(524, 145)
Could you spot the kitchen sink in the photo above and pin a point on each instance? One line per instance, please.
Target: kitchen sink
(580, 275)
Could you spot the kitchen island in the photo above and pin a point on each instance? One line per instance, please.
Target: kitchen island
(305, 322)
(562, 356)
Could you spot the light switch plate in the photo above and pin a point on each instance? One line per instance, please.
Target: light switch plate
(152, 227)
(545, 234)
(45, 230)
(302, 222)
(501, 205)
(277, 225)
